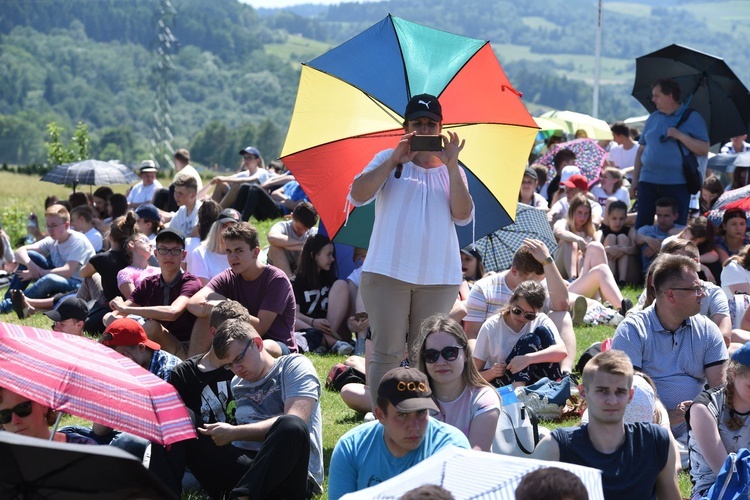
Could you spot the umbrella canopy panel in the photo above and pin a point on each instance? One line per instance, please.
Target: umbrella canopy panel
(707, 81)
(90, 173)
(571, 122)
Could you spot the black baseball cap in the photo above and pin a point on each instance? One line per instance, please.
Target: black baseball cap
(424, 105)
(229, 215)
(170, 234)
(72, 307)
(408, 390)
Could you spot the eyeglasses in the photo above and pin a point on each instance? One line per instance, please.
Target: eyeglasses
(518, 311)
(449, 353)
(699, 290)
(22, 410)
(165, 251)
(239, 358)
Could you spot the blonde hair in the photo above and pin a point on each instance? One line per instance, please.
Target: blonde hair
(588, 227)
(57, 210)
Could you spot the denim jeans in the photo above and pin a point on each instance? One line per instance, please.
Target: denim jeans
(46, 286)
(648, 193)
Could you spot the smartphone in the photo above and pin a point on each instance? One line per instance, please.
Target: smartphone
(426, 143)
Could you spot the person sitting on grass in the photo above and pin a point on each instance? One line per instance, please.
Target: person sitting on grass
(520, 344)
(209, 258)
(82, 220)
(139, 251)
(322, 300)
(637, 460)
(718, 423)
(286, 238)
(149, 221)
(466, 401)
(54, 262)
(609, 189)
(732, 234)
(161, 300)
(649, 237)
(264, 290)
(701, 231)
(619, 243)
(403, 435)
(69, 316)
(578, 249)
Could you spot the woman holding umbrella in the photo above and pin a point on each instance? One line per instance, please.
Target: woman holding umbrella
(658, 171)
(413, 269)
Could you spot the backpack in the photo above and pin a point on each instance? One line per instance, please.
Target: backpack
(340, 375)
(733, 480)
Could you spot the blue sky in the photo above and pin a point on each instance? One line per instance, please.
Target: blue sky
(287, 3)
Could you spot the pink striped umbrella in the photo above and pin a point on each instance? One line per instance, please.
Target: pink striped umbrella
(77, 375)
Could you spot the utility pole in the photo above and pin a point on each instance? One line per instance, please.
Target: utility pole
(166, 45)
(597, 60)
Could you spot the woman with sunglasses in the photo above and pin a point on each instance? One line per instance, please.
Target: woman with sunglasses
(465, 399)
(20, 415)
(139, 251)
(520, 344)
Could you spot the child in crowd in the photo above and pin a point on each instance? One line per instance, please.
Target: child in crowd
(578, 249)
(650, 237)
(619, 243)
(610, 189)
(82, 220)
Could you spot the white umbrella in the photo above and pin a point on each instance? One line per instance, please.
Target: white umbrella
(474, 474)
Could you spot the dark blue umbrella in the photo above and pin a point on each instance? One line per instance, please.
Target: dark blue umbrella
(90, 173)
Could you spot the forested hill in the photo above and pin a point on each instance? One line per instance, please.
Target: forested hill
(237, 69)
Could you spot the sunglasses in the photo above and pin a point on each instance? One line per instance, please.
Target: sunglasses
(518, 311)
(449, 353)
(22, 410)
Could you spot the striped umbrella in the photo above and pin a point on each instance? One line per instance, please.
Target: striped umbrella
(90, 173)
(77, 375)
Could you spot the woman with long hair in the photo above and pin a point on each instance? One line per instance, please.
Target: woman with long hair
(322, 299)
(520, 344)
(465, 399)
(139, 250)
(578, 249)
(719, 422)
(210, 258)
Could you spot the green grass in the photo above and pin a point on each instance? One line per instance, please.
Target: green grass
(297, 49)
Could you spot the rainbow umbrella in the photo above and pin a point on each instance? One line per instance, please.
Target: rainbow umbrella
(349, 106)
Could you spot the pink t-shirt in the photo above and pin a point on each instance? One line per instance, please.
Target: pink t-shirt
(472, 402)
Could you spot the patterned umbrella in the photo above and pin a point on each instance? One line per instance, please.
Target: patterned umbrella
(590, 157)
(77, 375)
(497, 249)
(90, 173)
(736, 198)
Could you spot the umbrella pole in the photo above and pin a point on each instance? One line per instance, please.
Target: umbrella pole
(57, 424)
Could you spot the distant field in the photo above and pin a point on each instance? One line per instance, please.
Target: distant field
(297, 49)
(730, 17)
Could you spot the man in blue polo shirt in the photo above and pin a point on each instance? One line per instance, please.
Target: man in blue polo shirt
(669, 341)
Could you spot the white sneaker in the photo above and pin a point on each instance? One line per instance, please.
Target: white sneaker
(342, 348)
(369, 416)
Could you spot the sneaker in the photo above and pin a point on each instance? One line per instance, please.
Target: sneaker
(369, 416)
(20, 306)
(626, 306)
(321, 349)
(342, 348)
(579, 310)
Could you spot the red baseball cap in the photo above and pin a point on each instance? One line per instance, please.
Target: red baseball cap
(577, 181)
(127, 332)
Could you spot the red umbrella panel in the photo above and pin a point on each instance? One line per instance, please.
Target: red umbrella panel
(77, 375)
(349, 107)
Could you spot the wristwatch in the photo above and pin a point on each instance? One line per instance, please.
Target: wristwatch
(548, 260)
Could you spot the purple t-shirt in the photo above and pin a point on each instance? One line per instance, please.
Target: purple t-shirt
(149, 292)
(271, 291)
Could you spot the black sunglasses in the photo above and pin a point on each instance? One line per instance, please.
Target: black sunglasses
(449, 353)
(518, 311)
(22, 410)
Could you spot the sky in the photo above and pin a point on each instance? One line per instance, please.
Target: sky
(286, 3)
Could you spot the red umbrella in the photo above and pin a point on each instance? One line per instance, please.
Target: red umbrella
(77, 375)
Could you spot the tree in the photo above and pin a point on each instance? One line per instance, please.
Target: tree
(77, 149)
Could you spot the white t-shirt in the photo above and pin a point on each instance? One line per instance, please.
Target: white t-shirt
(143, 194)
(496, 339)
(601, 196)
(76, 248)
(95, 237)
(414, 237)
(621, 157)
(205, 264)
(733, 274)
(184, 221)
